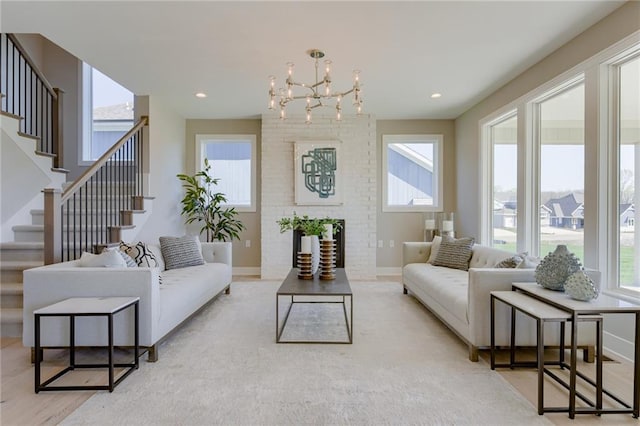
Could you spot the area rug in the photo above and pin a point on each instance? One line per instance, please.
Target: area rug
(224, 367)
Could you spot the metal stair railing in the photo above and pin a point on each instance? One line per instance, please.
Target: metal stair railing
(27, 94)
(81, 218)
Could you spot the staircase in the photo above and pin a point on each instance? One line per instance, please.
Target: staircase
(27, 248)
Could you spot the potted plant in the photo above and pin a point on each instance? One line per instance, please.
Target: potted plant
(310, 227)
(202, 204)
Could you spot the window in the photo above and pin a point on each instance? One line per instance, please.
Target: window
(628, 146)
(107, 113)
(233, 161)
(412, 172)
(503, 139)
(560, 141)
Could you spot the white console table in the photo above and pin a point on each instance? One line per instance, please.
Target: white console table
(87, 307)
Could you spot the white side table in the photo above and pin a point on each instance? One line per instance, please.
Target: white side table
(86, 307)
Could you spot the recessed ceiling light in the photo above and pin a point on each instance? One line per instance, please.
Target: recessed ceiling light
(435, 95)
(201, 95)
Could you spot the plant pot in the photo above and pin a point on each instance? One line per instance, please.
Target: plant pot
(315, 253)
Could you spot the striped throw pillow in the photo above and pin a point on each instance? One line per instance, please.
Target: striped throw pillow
(454, 253)
(180, 252)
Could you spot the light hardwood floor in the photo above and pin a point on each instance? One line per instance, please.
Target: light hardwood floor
(21, 406)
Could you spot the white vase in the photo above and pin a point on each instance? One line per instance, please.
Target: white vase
(315, 253)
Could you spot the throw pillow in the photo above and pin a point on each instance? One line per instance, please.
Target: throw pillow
(529, 262)
(141, 254)
(509, 262)
(180, 252)
(435, 245)
(106, 259)
(127, 259)
(454, 253)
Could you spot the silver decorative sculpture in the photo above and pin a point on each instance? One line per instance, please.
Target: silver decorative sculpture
(555, 268)
(580, 287)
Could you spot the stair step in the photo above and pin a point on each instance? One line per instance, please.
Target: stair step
(11, 295)
(11, 270)
(11, 322)
(28, 233)
(60, 170)
(22, 251)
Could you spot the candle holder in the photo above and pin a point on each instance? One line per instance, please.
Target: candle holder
(304, 265)
(430, 227)
(446, 225)
(327, 259)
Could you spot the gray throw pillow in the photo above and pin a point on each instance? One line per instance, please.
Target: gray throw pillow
(181, 252)
(510, 262)
(454, 253)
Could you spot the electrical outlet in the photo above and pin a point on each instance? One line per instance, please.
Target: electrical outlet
(380, 243)
(247, 243)
(392, 243)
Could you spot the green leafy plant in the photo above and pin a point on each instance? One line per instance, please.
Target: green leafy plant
(309, 226)
(202, 204)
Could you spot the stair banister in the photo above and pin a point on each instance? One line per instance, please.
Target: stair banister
(39, 104)
(126, 163)
(84, 177)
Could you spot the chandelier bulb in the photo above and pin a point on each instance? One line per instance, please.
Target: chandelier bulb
(308, 121)
(290, 68)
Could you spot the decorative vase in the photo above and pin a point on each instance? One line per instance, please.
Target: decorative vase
(555, 268)
(315, 253)
(580, 287)
(327, 259)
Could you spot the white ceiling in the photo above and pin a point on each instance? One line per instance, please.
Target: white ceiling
(405, 50)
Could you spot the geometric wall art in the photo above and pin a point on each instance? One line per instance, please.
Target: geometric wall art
(318, 173)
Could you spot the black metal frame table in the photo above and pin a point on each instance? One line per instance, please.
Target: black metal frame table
(542, 313)
(293, 287)
(604, 304)
(87, 307)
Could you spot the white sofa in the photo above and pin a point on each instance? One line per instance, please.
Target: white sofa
(461, 299)
(163, 307)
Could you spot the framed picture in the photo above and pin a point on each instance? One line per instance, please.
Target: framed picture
(318, 173)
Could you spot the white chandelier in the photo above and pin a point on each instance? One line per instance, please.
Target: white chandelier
(318, 94)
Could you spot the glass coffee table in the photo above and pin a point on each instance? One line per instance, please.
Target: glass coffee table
(316, 290)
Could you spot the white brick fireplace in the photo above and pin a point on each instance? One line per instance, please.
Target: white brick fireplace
(358, 148)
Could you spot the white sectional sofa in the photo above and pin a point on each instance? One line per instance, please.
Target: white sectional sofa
(163, 307)
(461, 299)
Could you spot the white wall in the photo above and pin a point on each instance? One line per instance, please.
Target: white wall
(166, 145)
(358, 136)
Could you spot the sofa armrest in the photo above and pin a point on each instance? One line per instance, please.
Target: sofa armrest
(52, 283)
(482, 281)
(415, 252)
(218, 252)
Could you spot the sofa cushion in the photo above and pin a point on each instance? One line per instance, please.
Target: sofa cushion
(454, 253)
(181, 252)
(447, 286)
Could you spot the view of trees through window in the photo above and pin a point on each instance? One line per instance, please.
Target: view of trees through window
(504, 135)
(561, 143)
(629, 179)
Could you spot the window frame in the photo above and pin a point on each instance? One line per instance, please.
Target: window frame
(610, 91)
(86, 119)
(487, 170)
(201, 140)
(438, 201)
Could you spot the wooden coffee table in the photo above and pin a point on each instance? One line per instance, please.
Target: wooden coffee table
(294, 287)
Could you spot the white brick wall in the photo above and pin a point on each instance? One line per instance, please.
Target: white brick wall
(358, 137)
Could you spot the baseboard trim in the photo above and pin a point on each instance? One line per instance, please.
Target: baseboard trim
(617, 347)
(246, 270)
(389, 271)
